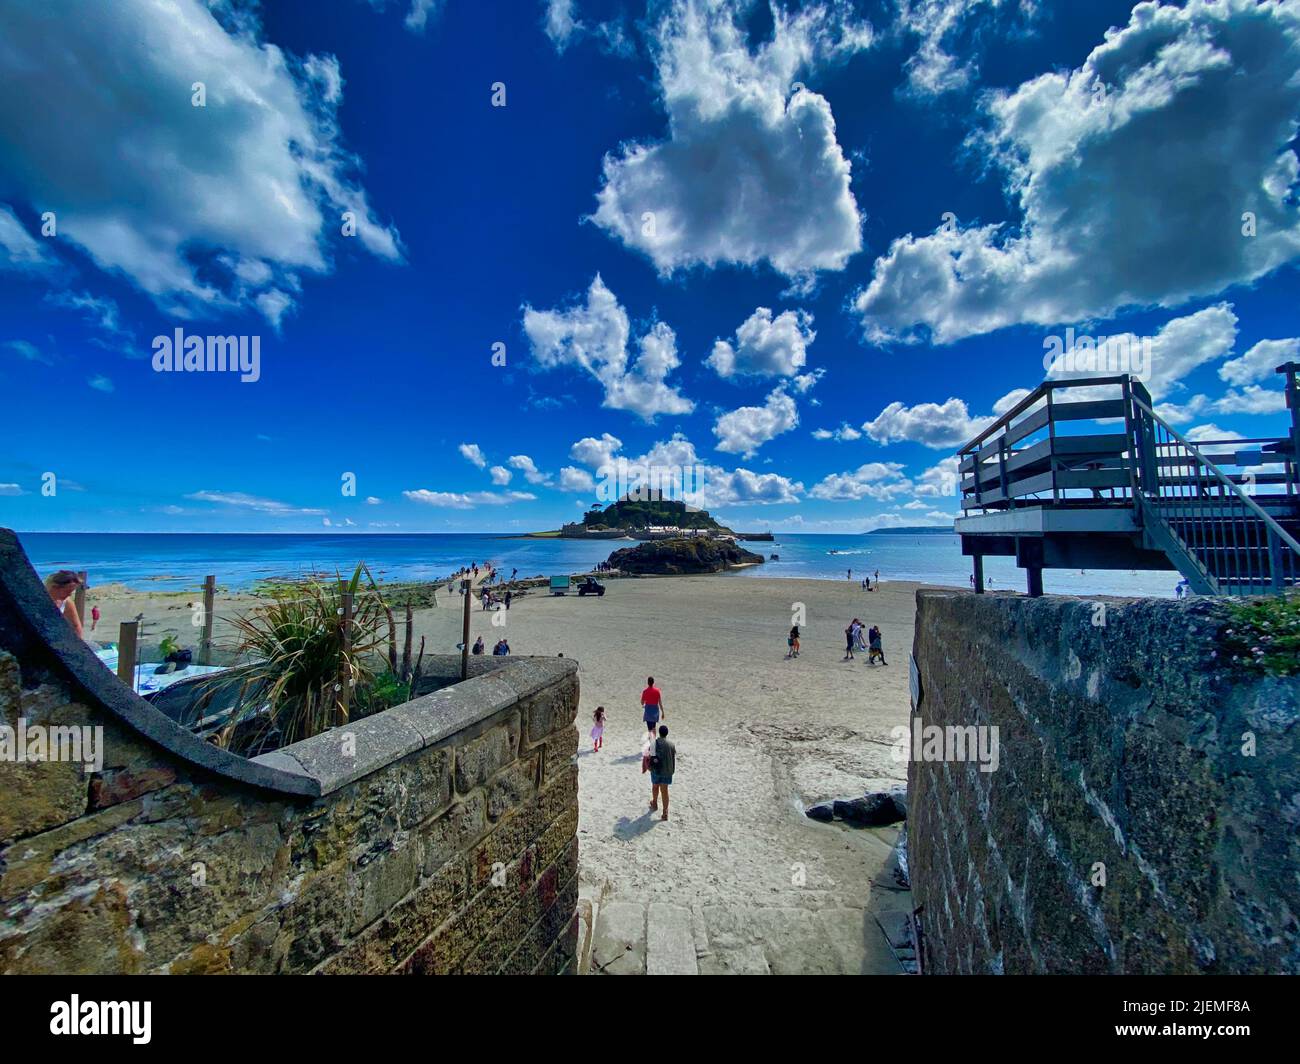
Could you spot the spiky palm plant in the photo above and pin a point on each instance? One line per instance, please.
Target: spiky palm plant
(299, 664)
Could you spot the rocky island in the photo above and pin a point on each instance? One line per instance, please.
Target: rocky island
(676, 557)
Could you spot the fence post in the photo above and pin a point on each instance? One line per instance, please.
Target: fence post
(128, 637)
(209, 600)
(79, 599)
(345, 650)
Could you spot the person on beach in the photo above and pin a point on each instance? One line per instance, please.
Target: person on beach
(61, 586)
(860, 641)
(513, 574)
(850, 576)
(509, 596)
(877, 646)
(652, 705)
(597, 729)
(477, 648)
(793, 642)
(663, 763)
(850, 637)
(94, 617)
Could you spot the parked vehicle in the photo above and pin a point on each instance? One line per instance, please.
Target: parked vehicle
(591, 586)
(559, 585)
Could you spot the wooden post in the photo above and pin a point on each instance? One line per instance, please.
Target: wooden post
(406, 644)
(209, 600)
(128, 637)
(79, 600)
(465, 586)
(345, 649)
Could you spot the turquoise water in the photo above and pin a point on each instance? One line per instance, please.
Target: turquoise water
(151, 561)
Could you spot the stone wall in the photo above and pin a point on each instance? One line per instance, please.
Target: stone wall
(439, 836)
(1129, 826)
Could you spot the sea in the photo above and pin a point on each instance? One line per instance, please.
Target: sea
(180, 561)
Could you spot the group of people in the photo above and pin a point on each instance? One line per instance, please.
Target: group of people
(658, 753)
(491, 601)
(501, 649)
(856, 637)
(867, 583)
(872, 643)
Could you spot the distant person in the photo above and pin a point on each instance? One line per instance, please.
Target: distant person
(513, 574)
(509, 596)
(94, 617)
(597, 729)
(501, 650)
(877, 576)
(850, 576)
(850, 637)
(663, 763)
(877, 646)
(652, 705)
(860, 634)
(61, 587)
(792, 642)
(477, 648)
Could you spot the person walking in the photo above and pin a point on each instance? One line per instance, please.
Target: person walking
(793, 642)
(94, 617)
(850, 634)
(652, 705)
(598, 729)
(477, 648)
(509, 596)
(877, 644)
(663, 763)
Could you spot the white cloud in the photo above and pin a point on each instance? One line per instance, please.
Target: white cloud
(1181, 346)
(766, 347)
(11, 489)
(455, 500)
(27, 351)
(472, 452)
(372, 501)
(874, 480)
(947, 424)
(188, 202)
(940, 481)
(529, 469)
(573, 479)
(501, 476)
(560, 23)
(751, 171)
(845, 433)
(1132, 175)
(596, 452)
(717, 486)
(100, 383)
(1203, 433)
(18, 249)
(418, 12)
(243, 501)
(595, 338)
(745, 430)
(1259, 363)
(1251, 399)
(933, 69)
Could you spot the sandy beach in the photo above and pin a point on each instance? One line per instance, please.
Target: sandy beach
(738, 876)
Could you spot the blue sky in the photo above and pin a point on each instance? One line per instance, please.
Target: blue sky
(810, 248)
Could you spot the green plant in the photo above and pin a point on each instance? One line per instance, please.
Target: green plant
(1263, 636)
(299, 663)
(384, 691)
(168, 646)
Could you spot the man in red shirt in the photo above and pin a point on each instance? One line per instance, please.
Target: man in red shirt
(652, 705)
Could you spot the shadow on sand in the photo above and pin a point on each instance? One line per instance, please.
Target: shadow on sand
(626, 828)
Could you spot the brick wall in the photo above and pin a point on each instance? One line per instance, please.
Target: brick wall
(1143, 816)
